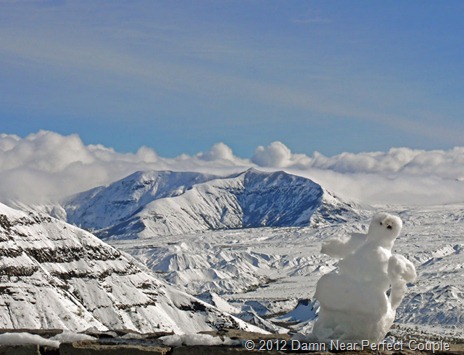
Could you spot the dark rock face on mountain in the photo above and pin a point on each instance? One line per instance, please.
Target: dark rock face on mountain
(277, 199)
(152, 203)
(56, 276)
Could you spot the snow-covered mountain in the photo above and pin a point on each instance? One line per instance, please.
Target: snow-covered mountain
(151, 203)
(55, 275)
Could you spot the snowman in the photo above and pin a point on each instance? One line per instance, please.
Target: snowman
(354, 300)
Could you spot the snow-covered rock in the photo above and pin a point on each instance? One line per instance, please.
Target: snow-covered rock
(304, 311)
(151, 203)
(220, 303)
(55, 275)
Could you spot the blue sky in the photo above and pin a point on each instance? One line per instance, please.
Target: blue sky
(179, 76)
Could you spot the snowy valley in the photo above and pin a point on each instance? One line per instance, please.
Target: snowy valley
(274, 271)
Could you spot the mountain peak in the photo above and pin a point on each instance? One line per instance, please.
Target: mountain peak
(165, 202)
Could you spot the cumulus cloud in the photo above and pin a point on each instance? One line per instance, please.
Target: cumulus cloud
(379, 188)
(441, 163)
(44, 151)
(7, 141)
(46, 165)
(218, 151)
(396, 160)
(275, 155)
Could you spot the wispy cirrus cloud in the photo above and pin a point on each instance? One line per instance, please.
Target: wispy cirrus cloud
(149, 63)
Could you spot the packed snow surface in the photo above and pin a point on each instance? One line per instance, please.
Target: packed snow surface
(26, 339)
(196, 339)
(353, 300)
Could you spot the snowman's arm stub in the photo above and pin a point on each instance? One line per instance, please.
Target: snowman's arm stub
(401, 269)
(341, 247)
(400, 272)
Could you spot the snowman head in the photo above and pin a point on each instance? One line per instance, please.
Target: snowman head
(384, 228)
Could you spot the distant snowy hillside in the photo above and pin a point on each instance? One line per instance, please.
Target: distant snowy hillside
(152, 203)
(434, 242)
(54, 275)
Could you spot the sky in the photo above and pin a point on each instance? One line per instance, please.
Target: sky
(179, 77)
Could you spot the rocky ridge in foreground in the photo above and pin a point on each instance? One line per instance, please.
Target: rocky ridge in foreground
(56, 276)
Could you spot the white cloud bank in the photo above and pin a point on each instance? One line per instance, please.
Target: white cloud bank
(46, 165)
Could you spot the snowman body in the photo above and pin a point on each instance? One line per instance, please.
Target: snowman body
(354, 305)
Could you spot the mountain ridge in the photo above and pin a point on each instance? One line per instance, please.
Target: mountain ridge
(165, 202)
